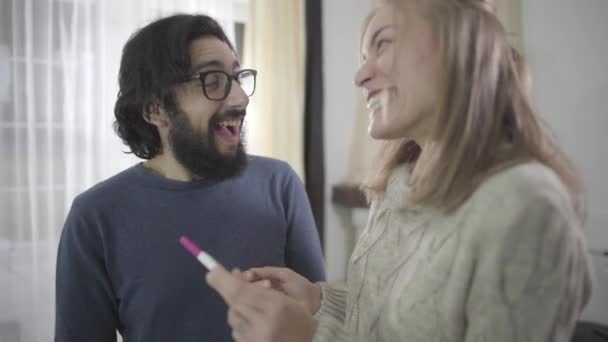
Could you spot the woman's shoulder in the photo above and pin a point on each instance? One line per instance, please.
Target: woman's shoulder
(524, 183)
(523, 200)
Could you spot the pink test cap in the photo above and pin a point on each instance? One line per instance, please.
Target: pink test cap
(190, 246)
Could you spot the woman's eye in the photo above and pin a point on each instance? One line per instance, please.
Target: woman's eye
(382, 43)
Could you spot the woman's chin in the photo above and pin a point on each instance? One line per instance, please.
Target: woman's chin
(375, 132)
(379, 128)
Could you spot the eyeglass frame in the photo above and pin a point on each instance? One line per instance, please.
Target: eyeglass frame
(200, 76)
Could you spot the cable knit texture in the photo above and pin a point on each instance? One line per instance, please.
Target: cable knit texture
(509, 265)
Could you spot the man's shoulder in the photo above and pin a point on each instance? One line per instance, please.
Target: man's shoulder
(266, 166)
(110, 189)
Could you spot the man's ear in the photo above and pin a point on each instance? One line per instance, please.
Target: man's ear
(155, 114)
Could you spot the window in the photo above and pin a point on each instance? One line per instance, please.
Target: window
(58, 83)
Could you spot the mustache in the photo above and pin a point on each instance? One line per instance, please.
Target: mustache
(232, 114)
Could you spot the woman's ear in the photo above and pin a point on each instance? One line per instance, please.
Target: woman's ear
(154, 114)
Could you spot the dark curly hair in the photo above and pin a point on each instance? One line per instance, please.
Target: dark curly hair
(153, 60)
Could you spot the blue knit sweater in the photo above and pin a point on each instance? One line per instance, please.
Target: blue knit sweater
(120, 265)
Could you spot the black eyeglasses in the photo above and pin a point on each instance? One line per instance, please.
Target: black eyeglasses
(216, 84)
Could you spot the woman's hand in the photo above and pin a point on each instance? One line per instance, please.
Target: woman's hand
(290, 283)
(260, 314)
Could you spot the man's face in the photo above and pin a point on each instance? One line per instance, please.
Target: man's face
(206, 136)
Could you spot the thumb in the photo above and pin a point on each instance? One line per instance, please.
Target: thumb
(228, 285)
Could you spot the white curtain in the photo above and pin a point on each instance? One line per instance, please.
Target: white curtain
(58, 81)
(275, 44)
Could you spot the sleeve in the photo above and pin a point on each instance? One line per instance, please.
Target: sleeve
(331, 314)
(86, 308)
(303, 248)
(532, 276)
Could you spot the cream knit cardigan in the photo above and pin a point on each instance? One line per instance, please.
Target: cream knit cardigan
(509, 265)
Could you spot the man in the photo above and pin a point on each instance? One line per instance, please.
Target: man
(181, 105)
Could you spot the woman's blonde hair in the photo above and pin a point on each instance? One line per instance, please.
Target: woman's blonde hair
(484, 119)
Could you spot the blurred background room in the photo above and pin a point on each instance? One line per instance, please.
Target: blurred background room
(58, 82)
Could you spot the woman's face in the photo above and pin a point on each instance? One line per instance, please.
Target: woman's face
(398, 74)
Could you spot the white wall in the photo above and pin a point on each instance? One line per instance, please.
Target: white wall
(341, 25)
(566, 43)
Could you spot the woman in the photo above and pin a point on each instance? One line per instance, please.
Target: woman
(475, 224)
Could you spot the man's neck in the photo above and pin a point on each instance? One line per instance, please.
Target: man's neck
(167, 166)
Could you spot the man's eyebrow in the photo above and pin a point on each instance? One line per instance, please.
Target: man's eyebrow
(377, 33)
(204, 65)
(214, 63)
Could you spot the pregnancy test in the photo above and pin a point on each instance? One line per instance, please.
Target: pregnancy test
(207, 260)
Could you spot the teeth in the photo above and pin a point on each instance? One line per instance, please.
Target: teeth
(230, 123)
(374, 103)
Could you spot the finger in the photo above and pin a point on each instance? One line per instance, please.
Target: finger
(263, 283)
(251, 276)
(243, 336)
(254, 297)
(269, 284)
(233, 317)
(238, 273)
(236, 321)
(271, 273)
(237, 337)
(258, 312)
(250, 313)
(240, 321)
(225, 283)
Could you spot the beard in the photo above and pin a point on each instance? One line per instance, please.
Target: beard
(198, 152)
